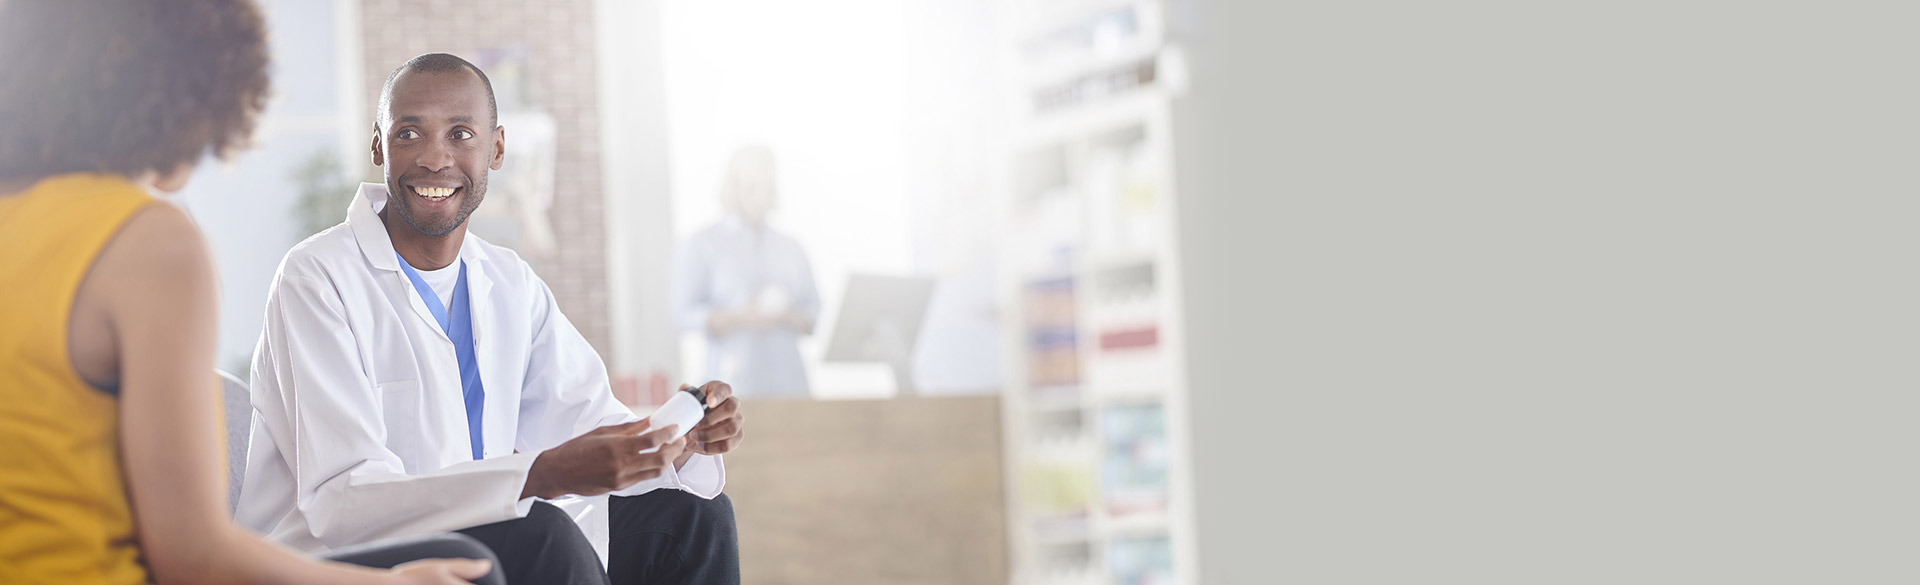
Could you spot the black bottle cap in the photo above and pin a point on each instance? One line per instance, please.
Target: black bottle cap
(697, 395)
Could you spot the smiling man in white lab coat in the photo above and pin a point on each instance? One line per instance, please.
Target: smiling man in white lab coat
(414, 379)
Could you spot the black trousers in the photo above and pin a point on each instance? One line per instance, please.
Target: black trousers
(663, 536)
(388, 554)
(671, 536)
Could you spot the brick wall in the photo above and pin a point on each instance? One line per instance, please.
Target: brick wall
(558, 38)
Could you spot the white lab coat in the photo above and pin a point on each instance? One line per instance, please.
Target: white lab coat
(727, 267)
(361, 430)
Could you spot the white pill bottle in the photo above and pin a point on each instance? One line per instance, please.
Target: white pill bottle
(685, 409)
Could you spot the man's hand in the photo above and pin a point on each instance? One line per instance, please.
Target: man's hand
(723, 427)
(602, 460)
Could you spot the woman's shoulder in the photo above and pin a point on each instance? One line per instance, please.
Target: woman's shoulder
(156, 251)
(160, 231)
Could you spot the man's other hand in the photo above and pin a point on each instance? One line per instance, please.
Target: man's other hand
(602, 460)
(723, 427)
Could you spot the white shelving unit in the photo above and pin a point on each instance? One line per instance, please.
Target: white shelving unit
(1095, 408)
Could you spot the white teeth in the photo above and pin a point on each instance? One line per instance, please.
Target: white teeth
(435, 193)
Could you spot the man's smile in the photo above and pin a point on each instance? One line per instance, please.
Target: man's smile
(435, 194)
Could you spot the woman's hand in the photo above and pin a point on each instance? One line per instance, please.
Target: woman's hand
(439, 572)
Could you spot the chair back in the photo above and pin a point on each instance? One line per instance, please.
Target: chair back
(239, 409)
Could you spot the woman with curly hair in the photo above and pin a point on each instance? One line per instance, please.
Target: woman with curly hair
(110, 454)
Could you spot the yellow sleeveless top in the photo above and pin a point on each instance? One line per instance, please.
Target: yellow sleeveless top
(64, 515)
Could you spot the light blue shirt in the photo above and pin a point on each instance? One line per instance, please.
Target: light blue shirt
(725, 267)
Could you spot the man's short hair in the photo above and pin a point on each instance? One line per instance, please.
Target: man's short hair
(436, 63)
(122, 87)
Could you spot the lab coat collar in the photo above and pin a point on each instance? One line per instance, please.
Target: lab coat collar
(363, 217)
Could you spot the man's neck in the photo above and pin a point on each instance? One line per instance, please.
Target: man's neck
(421, 251)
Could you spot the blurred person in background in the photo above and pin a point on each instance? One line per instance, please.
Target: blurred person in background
(748, 288)
(110, 443)
(414, 378)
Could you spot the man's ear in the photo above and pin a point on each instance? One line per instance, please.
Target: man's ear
(499, 147)
(379, 157)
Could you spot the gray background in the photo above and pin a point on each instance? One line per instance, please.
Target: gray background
(1540, 292)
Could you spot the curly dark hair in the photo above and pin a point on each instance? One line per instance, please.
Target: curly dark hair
(127, 86)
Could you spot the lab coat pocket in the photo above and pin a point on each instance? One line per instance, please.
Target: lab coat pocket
(400, 411)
